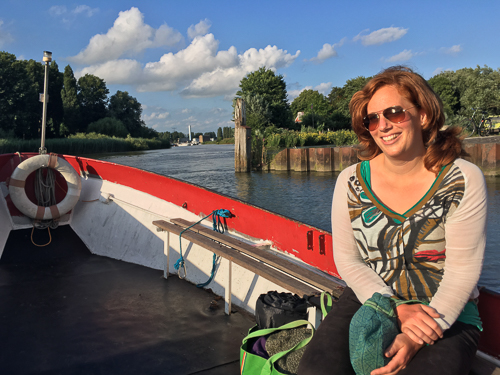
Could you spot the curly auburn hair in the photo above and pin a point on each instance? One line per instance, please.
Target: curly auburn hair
(443, 146)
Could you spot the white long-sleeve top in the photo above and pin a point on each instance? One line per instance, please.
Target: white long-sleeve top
(434, 252)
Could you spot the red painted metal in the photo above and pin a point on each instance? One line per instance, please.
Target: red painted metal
(288, 235)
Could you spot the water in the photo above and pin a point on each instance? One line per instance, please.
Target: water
(306, 197)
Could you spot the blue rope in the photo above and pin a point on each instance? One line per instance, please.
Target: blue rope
(218, 226)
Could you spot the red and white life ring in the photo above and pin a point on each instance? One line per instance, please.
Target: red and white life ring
(21, 200)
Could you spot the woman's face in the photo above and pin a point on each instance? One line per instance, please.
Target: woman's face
(397, 140)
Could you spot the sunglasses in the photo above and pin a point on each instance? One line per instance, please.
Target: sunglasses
(394, 114)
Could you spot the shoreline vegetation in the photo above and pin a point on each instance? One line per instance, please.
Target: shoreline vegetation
(84, 144)
(94, 143)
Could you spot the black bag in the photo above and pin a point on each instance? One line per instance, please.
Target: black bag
(275, 309)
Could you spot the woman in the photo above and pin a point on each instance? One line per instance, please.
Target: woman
(407, 222)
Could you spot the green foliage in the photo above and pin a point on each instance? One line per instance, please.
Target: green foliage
(220, 136)
(258, 112)
(310, 101)
(108, 126)
(292, 138)
(271, 90)
(339, 99)
(71, 106)
(128, 110)
(472, 88)
(443, 87)
(227, 132)
(82, 143)
(93, 98)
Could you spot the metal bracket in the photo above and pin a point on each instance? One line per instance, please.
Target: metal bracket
(322, 244)
(309, 240)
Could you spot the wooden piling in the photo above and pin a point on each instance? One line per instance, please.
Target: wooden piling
(242, 139)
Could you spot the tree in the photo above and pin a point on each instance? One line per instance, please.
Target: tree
(315, 107)
(28, 109)
(210, 134)
(219, 134)
(339, 99)
(476, 88)
(8, 95)
(108, 126)
(71, 106)
(128, 110)
(258, 112)
(443, 87)
(55, 108)
(272, 89)
(93, 99)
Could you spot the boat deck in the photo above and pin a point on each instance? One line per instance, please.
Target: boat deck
(64, 310)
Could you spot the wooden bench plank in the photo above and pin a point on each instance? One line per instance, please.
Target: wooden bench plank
(311, 277)
(259, 268)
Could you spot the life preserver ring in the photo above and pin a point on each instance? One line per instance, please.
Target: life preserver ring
(21, 200)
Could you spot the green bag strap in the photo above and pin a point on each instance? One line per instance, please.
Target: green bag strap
(267, 331)
(267, 369)
(325, 309)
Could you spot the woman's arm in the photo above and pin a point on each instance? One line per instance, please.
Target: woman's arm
(465, 233)
(361, 279)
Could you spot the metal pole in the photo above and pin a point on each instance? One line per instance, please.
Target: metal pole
(47, 59)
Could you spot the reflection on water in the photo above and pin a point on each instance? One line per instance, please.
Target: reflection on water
(306, 197)
(491, 265)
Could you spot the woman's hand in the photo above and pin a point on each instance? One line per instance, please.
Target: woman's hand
(403, 349)
(416, 321)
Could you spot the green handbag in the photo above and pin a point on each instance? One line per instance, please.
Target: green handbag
(252, 364)
(372, 329)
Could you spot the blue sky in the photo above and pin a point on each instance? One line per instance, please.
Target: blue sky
(183, 60)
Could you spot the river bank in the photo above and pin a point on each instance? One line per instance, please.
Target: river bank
(84, 144)
(483, 152)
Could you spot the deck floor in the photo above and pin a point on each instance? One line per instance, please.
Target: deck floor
(66, 311)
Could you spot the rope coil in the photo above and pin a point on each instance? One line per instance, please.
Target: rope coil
(218, 226)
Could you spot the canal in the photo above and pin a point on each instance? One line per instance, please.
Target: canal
(304, 196)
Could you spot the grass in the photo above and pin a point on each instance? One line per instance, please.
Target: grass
(225, 141)
(81, 144)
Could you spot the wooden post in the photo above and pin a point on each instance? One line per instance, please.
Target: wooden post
(242, 139)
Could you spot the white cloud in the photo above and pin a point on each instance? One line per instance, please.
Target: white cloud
(200, 29)
(128, 36)
(85, 9)
(402, 56)
(381, 36)
(115, 71)
(5, 36)
(452, 50)
(225, 80)
(58, 10)
(154, 116)
(68, 16)
(437, 71)
(199, 70)
(327, 51)
(323, 88)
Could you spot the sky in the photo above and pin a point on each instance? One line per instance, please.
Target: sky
(184, 60)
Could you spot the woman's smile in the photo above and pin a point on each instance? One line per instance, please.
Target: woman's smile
(390, 138)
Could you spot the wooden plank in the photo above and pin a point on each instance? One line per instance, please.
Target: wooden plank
(313, 278)
(261, 269)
